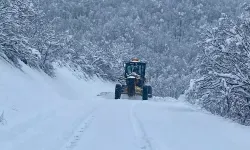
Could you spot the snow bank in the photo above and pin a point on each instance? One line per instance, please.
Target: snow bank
(24, 93)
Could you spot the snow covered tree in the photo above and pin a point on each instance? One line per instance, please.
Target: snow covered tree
(15, 25)
(223, 84)
(95, 36)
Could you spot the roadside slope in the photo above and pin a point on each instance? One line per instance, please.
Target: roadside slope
(41, 112)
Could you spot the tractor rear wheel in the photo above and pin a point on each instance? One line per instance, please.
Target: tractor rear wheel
(145, 93)
(118, 91)
(150, 92)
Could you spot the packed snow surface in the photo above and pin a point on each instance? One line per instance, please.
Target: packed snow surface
(65, 113)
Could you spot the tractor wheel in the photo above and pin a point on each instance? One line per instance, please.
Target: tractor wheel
(145, 93)
(118, 91)
(150, 92)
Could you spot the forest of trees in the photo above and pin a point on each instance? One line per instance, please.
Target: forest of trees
(197, 47)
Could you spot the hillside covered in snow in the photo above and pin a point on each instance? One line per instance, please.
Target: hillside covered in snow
(196, 48)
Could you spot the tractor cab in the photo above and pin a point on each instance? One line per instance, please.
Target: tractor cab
(135, 68)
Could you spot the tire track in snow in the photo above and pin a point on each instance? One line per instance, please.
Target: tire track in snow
(141, 137)
(79, 131)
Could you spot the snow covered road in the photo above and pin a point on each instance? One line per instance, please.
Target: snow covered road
(151, 125)
(106, 124)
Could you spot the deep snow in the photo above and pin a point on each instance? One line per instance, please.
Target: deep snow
(66, 114)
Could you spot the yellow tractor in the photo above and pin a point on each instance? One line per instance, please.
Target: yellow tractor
(133, 81)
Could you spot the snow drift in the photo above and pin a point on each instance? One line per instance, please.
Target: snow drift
(29, 98)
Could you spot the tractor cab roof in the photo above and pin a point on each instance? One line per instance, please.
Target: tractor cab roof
(135, 61)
